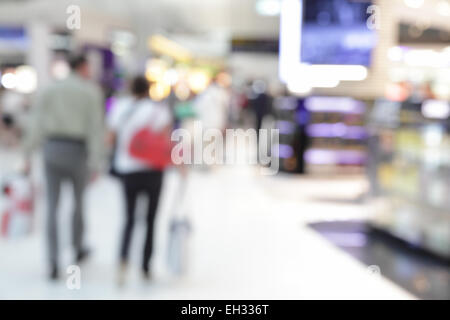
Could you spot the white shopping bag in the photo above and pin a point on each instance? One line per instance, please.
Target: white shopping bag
(180, 230)
(178, 251)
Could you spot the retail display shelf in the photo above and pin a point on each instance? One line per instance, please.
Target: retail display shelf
(410, 174)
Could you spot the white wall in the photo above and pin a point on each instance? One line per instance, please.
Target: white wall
(253, 65)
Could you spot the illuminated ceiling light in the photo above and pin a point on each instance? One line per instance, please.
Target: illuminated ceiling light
(159, 91)
(155, 70)
(436, 109)
(198, 80)
(395, 54)
(26, 78)
(268, 7)
(414, 3)
(443, 8)
(9, 80)
(170, 48)
(171, 77)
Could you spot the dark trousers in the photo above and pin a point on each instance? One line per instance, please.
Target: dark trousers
(148, 183)
(65, 160)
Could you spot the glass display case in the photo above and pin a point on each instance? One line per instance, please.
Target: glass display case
(409, 172)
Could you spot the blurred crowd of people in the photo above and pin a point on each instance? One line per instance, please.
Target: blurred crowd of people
(80, 139)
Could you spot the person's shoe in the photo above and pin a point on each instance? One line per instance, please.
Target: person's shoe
(146, 274)
(54, 273)
(122, 274)
(82, 256)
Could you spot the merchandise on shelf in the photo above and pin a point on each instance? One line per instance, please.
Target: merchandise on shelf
(337, 132)
(410, 174)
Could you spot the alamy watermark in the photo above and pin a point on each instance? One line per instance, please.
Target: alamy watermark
(73, 281)
(373, 22)
(73, 21)
(374, 270)
(233, 146)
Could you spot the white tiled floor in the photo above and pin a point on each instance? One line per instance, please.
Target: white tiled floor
(250, 242)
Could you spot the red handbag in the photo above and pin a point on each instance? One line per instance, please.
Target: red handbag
(151, 147)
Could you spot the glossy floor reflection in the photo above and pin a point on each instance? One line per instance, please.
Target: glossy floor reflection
(250, 241)
(425, 275)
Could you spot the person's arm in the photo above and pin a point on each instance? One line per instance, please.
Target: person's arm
(33, 131)
(111, 138)
(167, 129)
(96, 135)
(113, 123)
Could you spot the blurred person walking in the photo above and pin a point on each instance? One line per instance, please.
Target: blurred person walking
(261, 103)
(212, 106)
(127, 119)
(68, 119)
(13, 107)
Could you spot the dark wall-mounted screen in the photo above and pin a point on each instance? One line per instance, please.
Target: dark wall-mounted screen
(336, 32)
(412, 34)
(255, 45)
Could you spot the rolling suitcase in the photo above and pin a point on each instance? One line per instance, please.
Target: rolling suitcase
(180, 230)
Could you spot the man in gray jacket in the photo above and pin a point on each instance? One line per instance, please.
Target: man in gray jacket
(68, 120)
